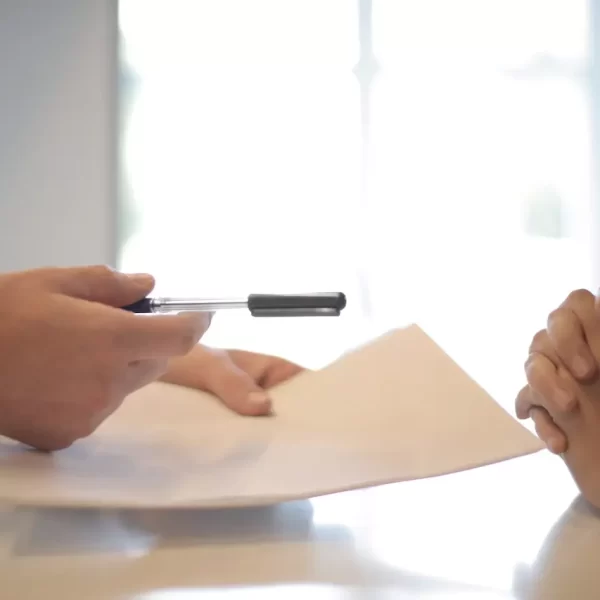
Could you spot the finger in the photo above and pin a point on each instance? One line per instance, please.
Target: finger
(524, 403)
(568, 327)
(548, 431)
(565, 332)
(161, 336)
(279, 372)
(551, 392)
(542, 344)
(583, 304)
(236, 388)
(267, 371)
(100, 284)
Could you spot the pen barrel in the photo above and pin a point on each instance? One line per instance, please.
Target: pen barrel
(296, 305)
(176, 305)
(170, 305)
(329, 304)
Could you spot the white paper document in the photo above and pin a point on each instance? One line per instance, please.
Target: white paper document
(393, 410)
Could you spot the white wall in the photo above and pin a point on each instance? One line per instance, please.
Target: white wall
(57, 132)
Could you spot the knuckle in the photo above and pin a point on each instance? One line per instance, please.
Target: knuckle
(102, 272)
(557, 315)
(86, 281)
(532, 369)
(539, 341)
(578, 298)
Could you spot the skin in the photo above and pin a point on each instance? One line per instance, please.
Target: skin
(70, 356)
(240, 379)
(563, 391)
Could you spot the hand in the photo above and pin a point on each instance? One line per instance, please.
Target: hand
(68, 358)
(563, 395)
(569, 344)
(240, 379)
(547, 394)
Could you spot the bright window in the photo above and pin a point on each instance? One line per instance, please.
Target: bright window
(429, 158)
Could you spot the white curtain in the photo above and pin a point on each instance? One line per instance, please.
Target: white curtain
(429, 158)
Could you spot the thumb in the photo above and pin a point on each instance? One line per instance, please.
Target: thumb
(236, 389)
(101, 284)
(548, 432)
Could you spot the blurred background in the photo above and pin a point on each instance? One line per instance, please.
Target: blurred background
(431, 159)
(436, 160)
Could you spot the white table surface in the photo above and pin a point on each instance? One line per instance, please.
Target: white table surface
(513, 530)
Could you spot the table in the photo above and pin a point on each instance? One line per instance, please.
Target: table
(513, 530)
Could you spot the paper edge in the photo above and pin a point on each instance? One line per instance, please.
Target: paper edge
(226, 502)
(249, 502)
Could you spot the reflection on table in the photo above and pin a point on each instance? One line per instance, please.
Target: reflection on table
(507, 531)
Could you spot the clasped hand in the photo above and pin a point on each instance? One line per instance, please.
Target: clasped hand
(562, 395)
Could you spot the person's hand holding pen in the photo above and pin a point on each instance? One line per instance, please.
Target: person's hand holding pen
(69, 355)
(240, 379)
(72, 348)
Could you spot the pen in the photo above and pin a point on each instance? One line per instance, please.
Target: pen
(326, 304)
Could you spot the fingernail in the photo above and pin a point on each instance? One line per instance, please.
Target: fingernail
(580, 366)
(260, 400)
(564, 400)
